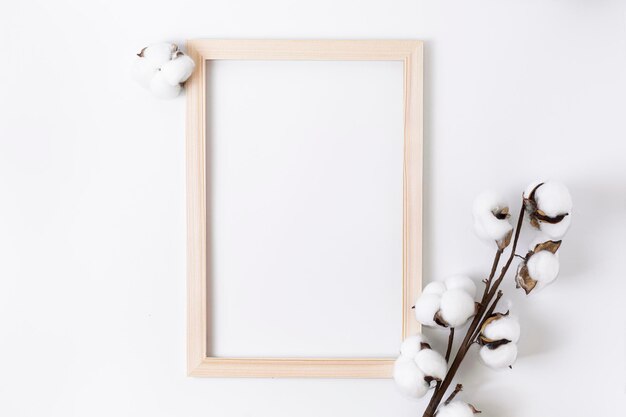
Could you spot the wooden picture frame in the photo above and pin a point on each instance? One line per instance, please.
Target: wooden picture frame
(410, 52)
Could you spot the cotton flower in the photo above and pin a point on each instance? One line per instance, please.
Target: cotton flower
(413, 344)
(540, 267)
(179, 69)
(491, 219)
(457, 307)
(163, 89)
(499, 327)
(418, 366)
(549, 206)
(457, 409)
(499, 336)
(432, 364)
(409, 379)
(158, 54)
(447, 304)
(162, 69)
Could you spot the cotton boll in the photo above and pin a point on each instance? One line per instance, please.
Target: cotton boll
(543, 267)
(456, 409)
(549, 208)
(501, 357)
(162, 89)
(556, 230)
(178, 69)
(158, 53)
(431, 363)
(502, 328)
(426, 307)
(411, 345)
(436, 287)
(143, 72)
(456, 307)
(491, 217)
(461, 282)
(553, 198)
(409, 379)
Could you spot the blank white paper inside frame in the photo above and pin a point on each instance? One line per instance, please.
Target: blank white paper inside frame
(304, 190)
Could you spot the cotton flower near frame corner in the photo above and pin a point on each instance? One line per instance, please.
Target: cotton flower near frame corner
(161, 88)
(409, 379)
(418, 366)
(413, 344)
(178, 69)
(162, 68)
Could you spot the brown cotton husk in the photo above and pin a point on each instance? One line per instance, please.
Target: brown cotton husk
(474, 410)
(550, 246)
(485, 341)
(502, 214)
(440, 321)
(430, 379)
(543, 217)
(523, 279)
(505, 241)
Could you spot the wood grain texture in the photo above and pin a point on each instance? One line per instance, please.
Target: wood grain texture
(408, 51)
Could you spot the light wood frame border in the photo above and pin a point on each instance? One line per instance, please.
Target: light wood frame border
(408, 51)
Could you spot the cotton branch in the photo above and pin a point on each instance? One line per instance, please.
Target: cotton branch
(457, 389)
(450, 341)
(469, 339)
(452, 302)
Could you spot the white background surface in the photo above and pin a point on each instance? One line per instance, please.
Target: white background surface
(92, 223)
(306, 208)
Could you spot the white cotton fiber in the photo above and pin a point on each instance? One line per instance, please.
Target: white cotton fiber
(486, 224)
(489, 201)
(426, 307)
(162, 89)
(461, 282)
(556, 230)
(553, 198)
(409, 379)
(506, 327)
(501, 357)
(411, 345)
(178, 69)
(431, 363)
(456, 307)
(159, 53)
(530, 188)
(436, 287)
(143, 72)
(543, 267)
(455, 409)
